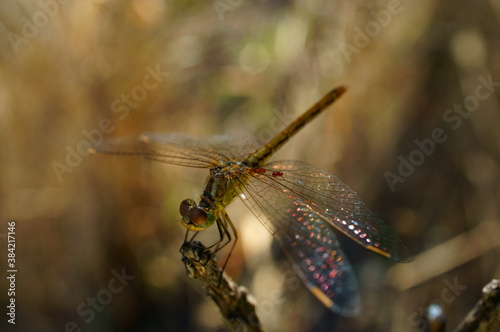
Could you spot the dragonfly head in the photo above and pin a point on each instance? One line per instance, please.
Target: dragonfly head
(195, 218)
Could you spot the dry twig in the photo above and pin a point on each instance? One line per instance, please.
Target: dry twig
(485, 316)
(234, 303)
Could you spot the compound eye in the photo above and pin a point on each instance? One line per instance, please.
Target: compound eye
(184, 207)
(198, 216)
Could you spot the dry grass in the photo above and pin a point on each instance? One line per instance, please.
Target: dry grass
(232, 76)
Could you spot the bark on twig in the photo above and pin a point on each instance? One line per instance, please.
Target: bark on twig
(235, 305)
(485, 316)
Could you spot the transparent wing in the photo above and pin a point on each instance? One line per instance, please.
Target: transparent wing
(318, 260)
(180, 149)
(268, 194)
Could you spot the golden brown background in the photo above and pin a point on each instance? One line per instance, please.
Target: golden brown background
(233, 67)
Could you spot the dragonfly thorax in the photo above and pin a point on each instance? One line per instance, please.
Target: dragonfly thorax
(219, 185)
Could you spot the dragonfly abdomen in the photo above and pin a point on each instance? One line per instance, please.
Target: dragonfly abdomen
(259, 157)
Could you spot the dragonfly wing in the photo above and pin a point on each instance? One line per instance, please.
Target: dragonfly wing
(329, 198)
(308, 242)
(178, 149)
(319, 261)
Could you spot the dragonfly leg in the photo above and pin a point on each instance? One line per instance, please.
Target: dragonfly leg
(225, 227)
(192, 237)
(210, 251)
(227, 222)
(223, 234)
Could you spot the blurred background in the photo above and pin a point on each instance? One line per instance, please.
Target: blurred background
(97, 237)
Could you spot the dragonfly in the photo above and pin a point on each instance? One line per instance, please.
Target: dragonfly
(301, 205)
